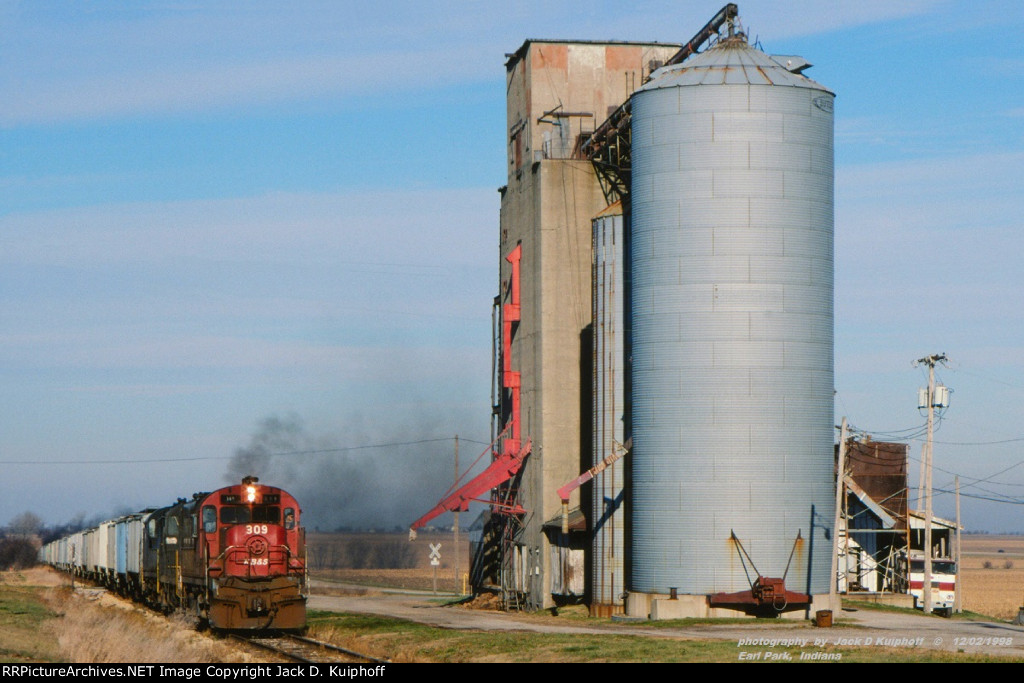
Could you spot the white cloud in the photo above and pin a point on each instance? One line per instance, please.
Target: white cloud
(356, 286)
(981, 191)
(74, 65)
(417, 228)
(173, 88)
(225, 354)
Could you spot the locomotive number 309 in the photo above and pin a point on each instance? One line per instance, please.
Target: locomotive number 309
(255, 528)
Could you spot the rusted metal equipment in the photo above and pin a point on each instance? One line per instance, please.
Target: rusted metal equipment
(563, 493)
(766, 593)
(726, 14)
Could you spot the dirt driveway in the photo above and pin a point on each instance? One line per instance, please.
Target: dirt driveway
(860, 628)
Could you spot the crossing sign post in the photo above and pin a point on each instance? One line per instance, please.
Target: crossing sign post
(435, 560)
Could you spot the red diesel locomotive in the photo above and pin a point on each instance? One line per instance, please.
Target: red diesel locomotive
(234, 557)
(240, 555)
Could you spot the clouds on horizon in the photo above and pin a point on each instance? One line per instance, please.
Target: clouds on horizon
(250, 282)
(63, 64)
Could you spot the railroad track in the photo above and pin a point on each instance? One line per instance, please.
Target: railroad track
(306, 650)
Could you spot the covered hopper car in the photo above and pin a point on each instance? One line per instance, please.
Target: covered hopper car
(234, 558)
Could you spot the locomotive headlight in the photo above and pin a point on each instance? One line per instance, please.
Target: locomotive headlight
(250, 494)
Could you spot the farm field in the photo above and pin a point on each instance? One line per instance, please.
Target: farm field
(388, 560)
(992, 574)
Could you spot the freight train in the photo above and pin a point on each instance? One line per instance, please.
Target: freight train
(233, 558)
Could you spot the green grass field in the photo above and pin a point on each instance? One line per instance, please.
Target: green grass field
(23, 614)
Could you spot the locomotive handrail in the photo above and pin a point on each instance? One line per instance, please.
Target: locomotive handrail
(206, 570)
(282, 549)
(230, 548)
(177, 572)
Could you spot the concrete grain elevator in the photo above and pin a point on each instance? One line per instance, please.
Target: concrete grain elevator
(665, 327)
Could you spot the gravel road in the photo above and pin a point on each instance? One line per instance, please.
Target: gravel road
(861, 628)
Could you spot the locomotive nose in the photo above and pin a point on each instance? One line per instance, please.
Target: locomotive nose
(257, 545)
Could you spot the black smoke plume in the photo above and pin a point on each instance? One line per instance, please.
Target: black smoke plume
(370, 479)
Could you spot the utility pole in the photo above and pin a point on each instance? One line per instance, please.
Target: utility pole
(957, 600)
(840, 497)
(455, 529)
(926, 587)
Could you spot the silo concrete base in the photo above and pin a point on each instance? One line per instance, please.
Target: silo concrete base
(658, 607)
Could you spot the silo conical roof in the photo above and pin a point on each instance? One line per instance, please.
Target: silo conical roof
(732, 62)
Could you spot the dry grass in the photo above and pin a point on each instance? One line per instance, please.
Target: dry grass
(95, 627)
(87, 625)
(43, 619)
(999, 590)
(36, 576)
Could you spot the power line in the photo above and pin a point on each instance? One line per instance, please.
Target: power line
(990, 379)
(981, 443)
(908, 434)
(320, 451)
(994, 500)
(915, 434)
(975, 480)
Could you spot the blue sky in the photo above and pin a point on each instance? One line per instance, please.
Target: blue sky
(212, 214)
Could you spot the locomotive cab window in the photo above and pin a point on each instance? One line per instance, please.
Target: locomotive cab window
(289, 518)
(241, 514)
(234, 514)
(171, 528)
(210, 519)
(269, 514)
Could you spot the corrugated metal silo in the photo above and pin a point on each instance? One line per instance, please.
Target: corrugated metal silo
(732, 324)
(609, 335)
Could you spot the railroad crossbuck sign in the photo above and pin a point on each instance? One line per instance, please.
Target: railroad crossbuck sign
(435, 554)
